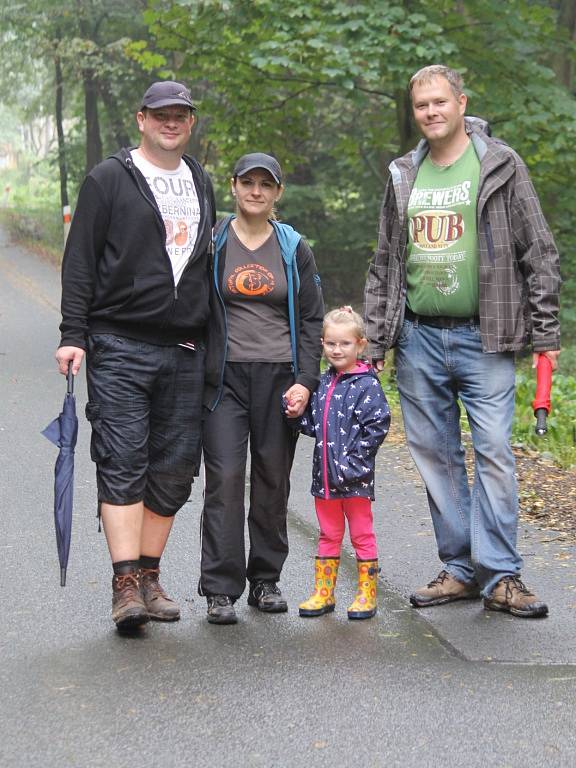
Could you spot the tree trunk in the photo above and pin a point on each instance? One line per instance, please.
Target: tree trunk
(119, 132)
(406, 132)
(93, 138)
(60, 131)
(564, 63)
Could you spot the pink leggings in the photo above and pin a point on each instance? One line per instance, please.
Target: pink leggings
(331, 516)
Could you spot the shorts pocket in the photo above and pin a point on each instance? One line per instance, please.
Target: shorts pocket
(99, 448)
(100, 344)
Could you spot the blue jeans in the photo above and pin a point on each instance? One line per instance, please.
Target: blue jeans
(475, 529)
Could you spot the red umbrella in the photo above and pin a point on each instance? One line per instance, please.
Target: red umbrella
(541, 403)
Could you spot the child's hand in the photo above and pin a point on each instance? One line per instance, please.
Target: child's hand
(296, 399)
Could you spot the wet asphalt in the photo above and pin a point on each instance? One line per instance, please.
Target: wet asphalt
(447, 686)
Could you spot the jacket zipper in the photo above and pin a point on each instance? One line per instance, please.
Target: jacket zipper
(325, 435)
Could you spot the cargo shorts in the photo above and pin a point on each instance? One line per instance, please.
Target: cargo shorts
(145, 410)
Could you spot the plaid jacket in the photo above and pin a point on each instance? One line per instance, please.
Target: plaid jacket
(519, 273)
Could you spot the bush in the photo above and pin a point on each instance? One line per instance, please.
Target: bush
(39, 228)
(560, 440)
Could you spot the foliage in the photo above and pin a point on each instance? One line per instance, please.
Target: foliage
(88, 38)
(322, 84)
(560, 440)
(38, 228)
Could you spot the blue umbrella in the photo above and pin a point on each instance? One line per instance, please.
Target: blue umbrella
(63, 432)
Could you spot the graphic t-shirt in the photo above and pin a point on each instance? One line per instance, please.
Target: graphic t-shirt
(442, 264)
(255, 292)
(177, 199)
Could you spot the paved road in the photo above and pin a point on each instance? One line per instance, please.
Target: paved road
(448, 687)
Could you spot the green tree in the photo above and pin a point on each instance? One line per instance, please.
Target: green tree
(323, 85)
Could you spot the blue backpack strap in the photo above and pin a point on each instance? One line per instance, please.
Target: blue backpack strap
(288, 240)
(220, 232)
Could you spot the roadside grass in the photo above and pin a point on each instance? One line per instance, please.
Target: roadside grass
(40, 229)
(560, 440)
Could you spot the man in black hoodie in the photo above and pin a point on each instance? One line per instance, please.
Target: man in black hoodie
(135, 302)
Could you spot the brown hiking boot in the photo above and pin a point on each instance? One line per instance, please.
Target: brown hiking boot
(128, 609)
(443, 589)
(159, 606)
(512, 595)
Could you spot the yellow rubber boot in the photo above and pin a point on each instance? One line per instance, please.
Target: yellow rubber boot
(322, 601)
(364, 605)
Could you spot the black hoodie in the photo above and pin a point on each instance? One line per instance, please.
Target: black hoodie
(116, 273)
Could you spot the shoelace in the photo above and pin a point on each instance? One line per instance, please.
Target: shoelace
(515, 582)
(440, 579)
(266, 588)
(126, 580)
(221, 600)
(152, 582)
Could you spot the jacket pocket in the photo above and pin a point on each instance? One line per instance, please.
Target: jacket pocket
(151, 298)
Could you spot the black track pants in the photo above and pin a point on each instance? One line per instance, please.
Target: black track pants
(250, 411)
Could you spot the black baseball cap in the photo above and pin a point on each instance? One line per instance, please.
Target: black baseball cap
(259, 160)
(166, 93)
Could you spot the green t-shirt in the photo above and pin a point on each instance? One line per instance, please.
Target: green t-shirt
(442, 264)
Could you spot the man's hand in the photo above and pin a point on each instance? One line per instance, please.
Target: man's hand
(297, 399)
(65, 355)
(377, 364)
(552, 355)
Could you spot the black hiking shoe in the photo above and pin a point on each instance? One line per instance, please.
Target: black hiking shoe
(266, 596)
(221, 610)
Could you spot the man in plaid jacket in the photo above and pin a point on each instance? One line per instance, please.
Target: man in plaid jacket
(465, 273)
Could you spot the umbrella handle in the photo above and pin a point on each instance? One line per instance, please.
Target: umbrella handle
(70, 379)
(541, 426)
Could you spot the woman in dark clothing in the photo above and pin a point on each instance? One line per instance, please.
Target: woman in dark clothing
(263, 344)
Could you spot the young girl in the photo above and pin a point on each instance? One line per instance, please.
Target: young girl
(348, 415)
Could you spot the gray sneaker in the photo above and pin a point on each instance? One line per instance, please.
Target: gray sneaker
(444, 589)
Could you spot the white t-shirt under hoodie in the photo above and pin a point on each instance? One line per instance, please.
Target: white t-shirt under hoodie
(177, 200)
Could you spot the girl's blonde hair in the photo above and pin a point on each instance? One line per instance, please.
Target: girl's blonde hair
(345, 316)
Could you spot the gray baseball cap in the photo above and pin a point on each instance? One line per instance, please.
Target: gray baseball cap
(165, 93)
(259, 160)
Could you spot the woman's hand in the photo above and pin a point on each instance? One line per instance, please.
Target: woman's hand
(297, 398)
